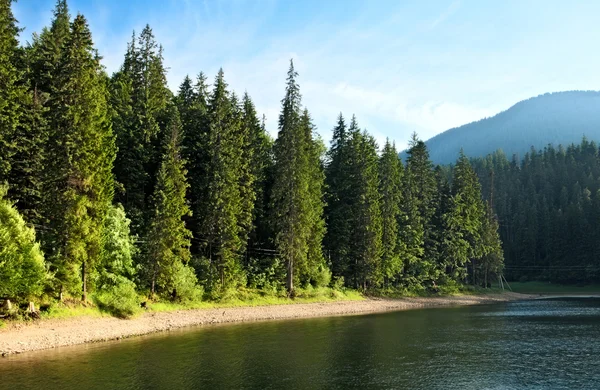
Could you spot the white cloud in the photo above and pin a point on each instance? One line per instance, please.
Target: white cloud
(400, 68)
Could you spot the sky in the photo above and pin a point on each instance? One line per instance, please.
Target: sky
(399, 66)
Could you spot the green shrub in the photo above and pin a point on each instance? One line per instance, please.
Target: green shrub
(120, 300)
(118, 249)
(266, 274)
(185, 284)
(22, 270)
(322, 277)
(337, 283)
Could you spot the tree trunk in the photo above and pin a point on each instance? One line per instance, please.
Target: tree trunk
(289, 283)
(153, 282)
(84, 284)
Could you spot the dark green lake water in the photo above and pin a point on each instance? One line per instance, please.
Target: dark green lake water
(540, 344)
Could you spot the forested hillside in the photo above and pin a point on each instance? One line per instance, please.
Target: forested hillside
(548, 205)
(553, 118)
(116, 186)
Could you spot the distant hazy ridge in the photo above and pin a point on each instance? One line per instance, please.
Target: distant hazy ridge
(552, 118)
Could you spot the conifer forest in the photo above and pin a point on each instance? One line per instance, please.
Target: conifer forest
(114, 185)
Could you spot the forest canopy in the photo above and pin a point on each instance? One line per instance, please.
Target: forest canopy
(134, 189)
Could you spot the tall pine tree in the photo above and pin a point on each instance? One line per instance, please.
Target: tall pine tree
(316, 270)
(390, 177)
(83, 153)
(223, 221)
(290, 196)
(139, 97)
(12, 89)
(338, 209)
(365, 247)
(168, 241)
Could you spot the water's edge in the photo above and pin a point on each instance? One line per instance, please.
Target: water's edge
(48, 334)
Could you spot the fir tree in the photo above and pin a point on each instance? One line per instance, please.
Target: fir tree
(12, 89)
(463, 221)
(491, 262)
(390, 177)
(168, 242)
(82, 156)
(223, 224)
(47, 49)
(139, 97)
(419, 208)
(338, 209)
(192, 102)
(365, 247)
(261, 166)
(290, 199)
(316, 270)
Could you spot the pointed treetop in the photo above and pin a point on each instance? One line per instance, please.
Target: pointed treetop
(61, 13)
(354, 128)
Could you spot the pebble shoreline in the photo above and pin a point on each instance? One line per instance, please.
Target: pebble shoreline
(54, 333)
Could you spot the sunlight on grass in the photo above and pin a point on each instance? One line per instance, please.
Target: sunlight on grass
(249, 298)
(252, 297)
(62, 311)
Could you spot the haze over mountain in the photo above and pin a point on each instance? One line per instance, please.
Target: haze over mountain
(552, 118)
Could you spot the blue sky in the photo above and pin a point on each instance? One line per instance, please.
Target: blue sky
(400, 66)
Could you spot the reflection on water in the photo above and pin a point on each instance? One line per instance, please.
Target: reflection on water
(538, 344)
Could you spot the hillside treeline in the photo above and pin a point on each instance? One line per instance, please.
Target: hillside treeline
(548, 205)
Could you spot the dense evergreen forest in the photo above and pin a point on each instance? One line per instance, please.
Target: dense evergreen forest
(548, 206)
(116, 186)
(559, 118)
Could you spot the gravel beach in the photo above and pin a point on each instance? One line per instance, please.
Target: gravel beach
(54, 333)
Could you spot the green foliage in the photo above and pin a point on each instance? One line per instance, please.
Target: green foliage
(420, 203)
(81, 161)
(11, 87)
(22, 271)
(120, 300)
(365, 247)
(314, 270)
(463, 221)
(265, 274)
(354, 209)
(140, 97)
(390, 177)
(119, 250)
(218, 204)
(293, 195)
(168, 242)
(226, 223)
(338, 209)
(548, 207)
(184, 285)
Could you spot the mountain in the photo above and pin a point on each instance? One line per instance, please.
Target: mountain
(552, 118)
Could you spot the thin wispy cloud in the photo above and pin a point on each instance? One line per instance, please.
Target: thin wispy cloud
(399, 66)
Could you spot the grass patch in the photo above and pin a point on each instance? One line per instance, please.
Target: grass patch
(69, 309)
(551, 288)
(124, 305)
(249, 298)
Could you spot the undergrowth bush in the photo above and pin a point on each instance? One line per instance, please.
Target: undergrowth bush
(186, 285)
(120, 300)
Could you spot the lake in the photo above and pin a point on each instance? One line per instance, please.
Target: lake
(536, 344)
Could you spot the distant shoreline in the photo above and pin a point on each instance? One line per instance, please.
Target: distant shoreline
(54, 333)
